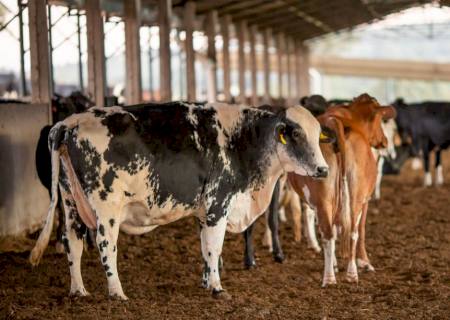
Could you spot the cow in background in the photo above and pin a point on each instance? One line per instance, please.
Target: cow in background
(426, 127)
(62, 107)
(341, 200)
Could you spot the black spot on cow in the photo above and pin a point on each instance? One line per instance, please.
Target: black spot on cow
(70, 263)
(109, 274)
(108, 179)
(101, 229)
(103, 194)
(103, 244)
(106, 267)
(114, 249)
(111, 222)
(209, 254)
(128, 194)
(99, 113)
(66, 244)
(104, 259)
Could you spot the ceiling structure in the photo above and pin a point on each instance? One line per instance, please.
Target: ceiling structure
(300, 19)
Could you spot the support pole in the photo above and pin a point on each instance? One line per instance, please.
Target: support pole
(225, 23)
(210, 30)
(280, 49)
(304, 71)
(40, 66)
(50, 48)
(241, 30)
(133, 90)
(297, 45)
(23, 80)
(289, 95)
(253, 67)
(80, 54)
(150, 66)
(267, 37)
(96, 52)
(165, 76)
(189, 27)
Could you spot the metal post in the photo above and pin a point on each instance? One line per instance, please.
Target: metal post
(23, 80)
(50, 48)
(80, 54)
(150, 67)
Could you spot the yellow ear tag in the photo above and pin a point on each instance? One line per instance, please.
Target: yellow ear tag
(322, 137)
(283, 141)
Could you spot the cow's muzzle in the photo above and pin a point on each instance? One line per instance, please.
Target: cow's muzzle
(321, 172)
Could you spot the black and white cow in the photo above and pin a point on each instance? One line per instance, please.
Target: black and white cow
(139, 167)
(427, 127)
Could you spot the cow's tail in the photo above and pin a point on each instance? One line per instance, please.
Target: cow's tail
(55, 138)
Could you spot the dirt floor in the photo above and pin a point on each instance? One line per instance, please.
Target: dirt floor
(408, 239)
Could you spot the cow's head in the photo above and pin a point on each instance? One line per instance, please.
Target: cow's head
(365, 115)
(298, 135)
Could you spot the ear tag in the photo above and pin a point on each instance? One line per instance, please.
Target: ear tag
(283, 141)
(323, 136)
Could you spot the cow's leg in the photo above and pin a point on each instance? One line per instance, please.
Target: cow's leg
(294, 205)
(379, 177)
(352, 270)
(249, 255)
(277, 252)
(439, 177)
(362, 259)
(212, 237)
(267, 238)
(324, 214)
(426, 164)
(72, 239)
(60, 229)
(310, 229)
(107, 234)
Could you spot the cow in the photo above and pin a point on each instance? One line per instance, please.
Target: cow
(341, 200)
(426, 126)
(138, 167)
(62, 107)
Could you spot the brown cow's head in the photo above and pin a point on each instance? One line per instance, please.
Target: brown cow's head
(365, 115)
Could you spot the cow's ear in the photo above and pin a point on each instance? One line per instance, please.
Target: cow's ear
(280, 131)
(327, 135)
(387, 112)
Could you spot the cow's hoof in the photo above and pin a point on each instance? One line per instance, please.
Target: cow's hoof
(315, 248)
(328, 281)
(118, 297)
(351, 277)
(365, 265)
(221, 294)
(78, 293)
(279, 257)
(250, 265)
(59, 247)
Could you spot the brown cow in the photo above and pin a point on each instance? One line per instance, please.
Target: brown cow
(341, 199)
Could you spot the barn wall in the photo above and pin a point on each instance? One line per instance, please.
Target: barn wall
(23, 200)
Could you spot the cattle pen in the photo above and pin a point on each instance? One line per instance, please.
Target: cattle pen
(247, 52)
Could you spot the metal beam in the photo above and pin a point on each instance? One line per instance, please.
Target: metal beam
(96, 52)
(189, 27)
(133, 87)
(225, 23)
(267, 37)
(165, 74)
(39, 55)
(253, 64)
(210, 30)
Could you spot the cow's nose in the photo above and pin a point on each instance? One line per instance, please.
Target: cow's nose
(322, 172)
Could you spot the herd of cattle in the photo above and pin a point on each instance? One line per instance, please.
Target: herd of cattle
(135, 168)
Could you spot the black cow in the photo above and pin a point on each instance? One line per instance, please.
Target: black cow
(139, 167)
(426, 126)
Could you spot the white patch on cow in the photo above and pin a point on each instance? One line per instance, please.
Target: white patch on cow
(416, 164)
(380, 164)
(311, 128)
(306, 193)
(390, 130)
(310, 216)
(427, 182)
(328, 253)
(229, 116)
(439, 176)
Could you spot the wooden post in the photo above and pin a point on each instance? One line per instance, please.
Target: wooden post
(225, 23)
(252, 39)
(39, 53)
(241, 32)
(210, 30)
(288, 70)
(267, 36)
(304, 71)
(96, 52)
(189, 27)
(165, 75)
(297, 60)
(280, 64)
(133, 90)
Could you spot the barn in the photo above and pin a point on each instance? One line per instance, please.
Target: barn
(249, 52)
